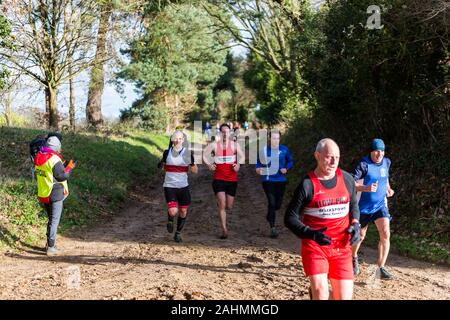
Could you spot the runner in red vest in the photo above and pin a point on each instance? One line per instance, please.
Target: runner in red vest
(324, 213)
(225, 164)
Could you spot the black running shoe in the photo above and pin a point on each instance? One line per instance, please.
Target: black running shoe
(274, 233)
(385, 275)
(356, 270)
(170, 226)
(224, 236)
(177, 237)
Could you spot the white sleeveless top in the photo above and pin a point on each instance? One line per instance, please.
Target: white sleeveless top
(176, 170)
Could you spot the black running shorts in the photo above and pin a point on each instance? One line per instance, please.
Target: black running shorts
(177, 197)
(229, 187)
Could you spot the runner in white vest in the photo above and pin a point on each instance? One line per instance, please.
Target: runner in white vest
(177, 160)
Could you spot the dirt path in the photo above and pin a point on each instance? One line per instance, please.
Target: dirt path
(133, 257)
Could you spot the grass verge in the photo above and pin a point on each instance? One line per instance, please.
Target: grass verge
(108, 166)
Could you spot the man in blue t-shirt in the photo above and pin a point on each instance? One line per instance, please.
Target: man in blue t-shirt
(207, 131)
(372, 180)
(274, 161)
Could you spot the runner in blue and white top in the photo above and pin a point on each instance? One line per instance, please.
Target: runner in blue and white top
(207, 131)
(272, 165)
(372, 180)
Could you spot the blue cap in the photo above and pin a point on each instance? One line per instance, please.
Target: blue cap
(377, 144)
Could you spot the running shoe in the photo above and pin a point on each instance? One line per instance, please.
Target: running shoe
(177, 237)
(170, 226)
(274, 233)
(385, 275)
(53, 251)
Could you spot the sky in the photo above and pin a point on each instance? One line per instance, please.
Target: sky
(316, 3)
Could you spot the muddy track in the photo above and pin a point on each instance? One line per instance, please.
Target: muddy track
(131, 256)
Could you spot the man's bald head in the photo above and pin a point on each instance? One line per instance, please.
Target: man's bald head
(327, 156)
(325, 144)
(177, 134)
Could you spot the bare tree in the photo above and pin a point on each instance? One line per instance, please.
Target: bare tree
(6, 102)
(96, 86)
(71, 98)
(50, 37)
(430, 10)
(262, 26)
(7, 94)
(115, 21)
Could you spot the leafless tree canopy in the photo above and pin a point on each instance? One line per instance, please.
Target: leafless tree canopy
(261, 26)
(49, 36)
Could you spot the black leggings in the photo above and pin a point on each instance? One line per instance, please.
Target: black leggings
(274, 193)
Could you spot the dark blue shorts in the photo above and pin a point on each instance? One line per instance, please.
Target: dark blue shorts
(365, 219)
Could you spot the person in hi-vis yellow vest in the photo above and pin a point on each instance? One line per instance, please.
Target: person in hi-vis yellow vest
(52, 176)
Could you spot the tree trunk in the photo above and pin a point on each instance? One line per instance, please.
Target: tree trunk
(71, 100)
(8, 117)
(94, 102)
(219, 110)
(51, 98)
(166, 105)
(47, 104)
(176, 111)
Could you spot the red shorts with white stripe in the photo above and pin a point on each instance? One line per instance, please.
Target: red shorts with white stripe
(336, 261)
(177, 197)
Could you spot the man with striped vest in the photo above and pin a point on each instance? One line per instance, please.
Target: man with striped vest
(324, 213)
(225, 164)
(177, 160)
(52, 176)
